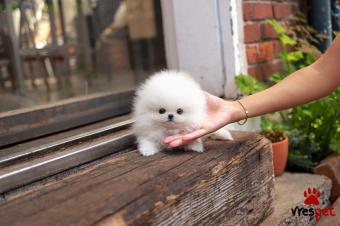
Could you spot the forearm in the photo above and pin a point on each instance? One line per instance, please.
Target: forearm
(301, 87)
(308, 84)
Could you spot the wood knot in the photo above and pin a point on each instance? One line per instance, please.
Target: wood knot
(218, 168)
(171, 197)
(115, 219)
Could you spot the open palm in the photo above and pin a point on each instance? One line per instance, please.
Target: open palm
(219, 114)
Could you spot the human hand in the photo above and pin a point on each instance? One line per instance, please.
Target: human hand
(219, 114)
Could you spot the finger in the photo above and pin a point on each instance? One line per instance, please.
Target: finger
(169, 139)
(179, 142)
(194, 135)
(176, 143)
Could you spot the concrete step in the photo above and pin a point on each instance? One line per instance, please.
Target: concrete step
(289, 194)
(332, 221)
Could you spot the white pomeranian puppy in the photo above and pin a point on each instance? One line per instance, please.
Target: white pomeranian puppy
(169, 103)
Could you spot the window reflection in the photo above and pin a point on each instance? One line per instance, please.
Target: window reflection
(53, 49)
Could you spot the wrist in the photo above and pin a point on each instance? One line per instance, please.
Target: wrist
(238, 112)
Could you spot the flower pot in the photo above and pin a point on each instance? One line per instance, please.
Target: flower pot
(280, 156)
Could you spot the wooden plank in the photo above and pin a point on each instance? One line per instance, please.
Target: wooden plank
(231, 183)
(20, 125)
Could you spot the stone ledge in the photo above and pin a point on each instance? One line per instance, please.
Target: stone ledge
(289, 193)
(332, 221)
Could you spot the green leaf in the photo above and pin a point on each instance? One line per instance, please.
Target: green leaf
(286, 40)
(295, 56)
(302, 163)
(277, 77)
(248, 84)
(270, 125)
(279, 29)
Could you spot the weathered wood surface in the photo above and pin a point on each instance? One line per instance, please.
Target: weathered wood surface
(229, 184)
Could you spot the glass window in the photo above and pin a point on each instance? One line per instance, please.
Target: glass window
(52, 50)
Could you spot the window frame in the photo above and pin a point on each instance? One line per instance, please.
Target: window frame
(218, 34)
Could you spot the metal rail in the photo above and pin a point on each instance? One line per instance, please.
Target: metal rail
(25, 167)
(66, 142)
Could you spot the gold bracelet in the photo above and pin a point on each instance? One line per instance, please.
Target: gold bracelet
(246, 113)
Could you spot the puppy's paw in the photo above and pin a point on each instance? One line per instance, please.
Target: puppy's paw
(221, 134)
(147, 148)
(147, 152)
(195, 146)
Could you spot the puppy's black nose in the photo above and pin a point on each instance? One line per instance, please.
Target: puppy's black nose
(170, 117)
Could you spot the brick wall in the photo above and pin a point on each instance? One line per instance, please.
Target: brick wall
(262, 46)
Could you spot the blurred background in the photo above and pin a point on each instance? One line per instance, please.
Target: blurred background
(53, 49)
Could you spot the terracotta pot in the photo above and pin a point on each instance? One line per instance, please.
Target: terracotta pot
(280, 156)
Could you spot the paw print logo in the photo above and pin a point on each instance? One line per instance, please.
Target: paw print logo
(311, 196)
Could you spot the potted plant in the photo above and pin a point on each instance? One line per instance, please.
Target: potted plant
(280, 151)
(274, 131)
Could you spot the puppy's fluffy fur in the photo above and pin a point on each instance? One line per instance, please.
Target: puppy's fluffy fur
(169, 103)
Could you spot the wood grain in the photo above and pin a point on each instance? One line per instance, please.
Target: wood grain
(229, 184)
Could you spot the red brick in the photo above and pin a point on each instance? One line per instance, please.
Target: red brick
(268, 31)
(261, 52)
(257, 10)
(283, 10)
(268, 69)
(256, 72)
(251, 32)
(263, 71)
(277, 48)
(252, 54)
(266, 51)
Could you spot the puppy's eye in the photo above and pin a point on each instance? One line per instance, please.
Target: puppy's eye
(161, 111)
(179, 111)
